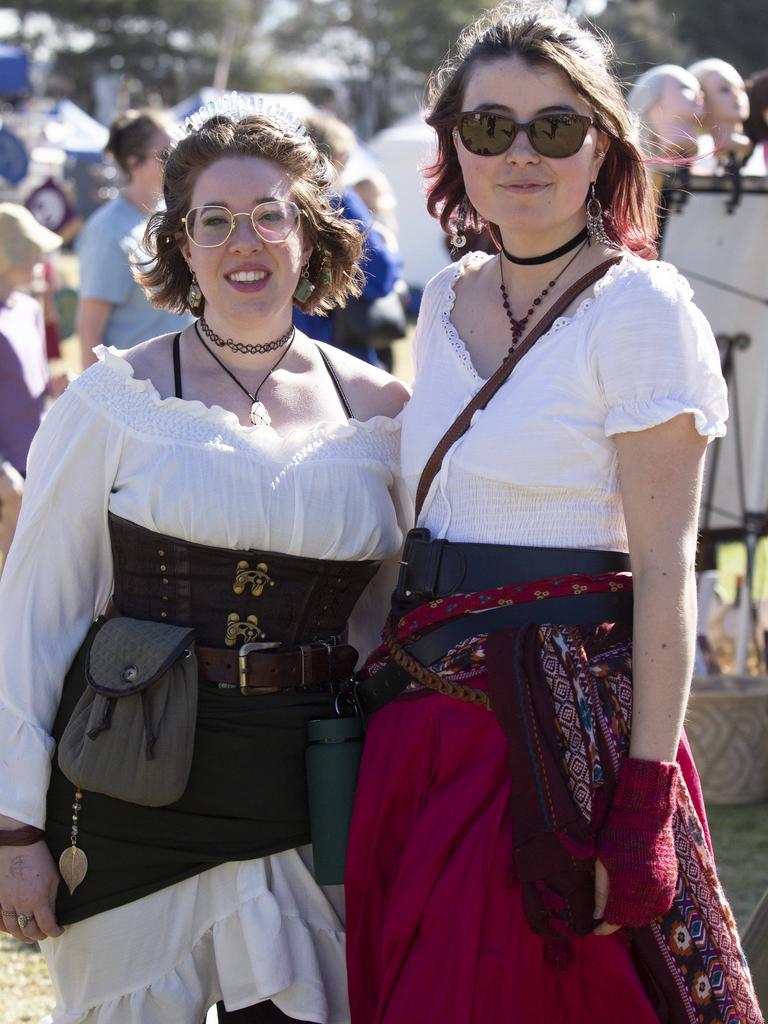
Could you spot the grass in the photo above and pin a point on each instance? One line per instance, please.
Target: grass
(740, 835)
(24, 983)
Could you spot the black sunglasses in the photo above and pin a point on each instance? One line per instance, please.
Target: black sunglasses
(554, 135)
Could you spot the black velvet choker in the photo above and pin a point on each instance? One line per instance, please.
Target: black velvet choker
(527, 261)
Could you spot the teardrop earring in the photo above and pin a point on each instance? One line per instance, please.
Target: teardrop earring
(458, 238)
(595, 226)
(194, 296)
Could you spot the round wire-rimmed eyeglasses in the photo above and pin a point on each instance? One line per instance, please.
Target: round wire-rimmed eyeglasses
(211, 226)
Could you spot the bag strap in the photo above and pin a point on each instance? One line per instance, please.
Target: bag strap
(463, 421)
(177, 367)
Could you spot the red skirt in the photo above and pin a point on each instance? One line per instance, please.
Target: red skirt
(435, 924)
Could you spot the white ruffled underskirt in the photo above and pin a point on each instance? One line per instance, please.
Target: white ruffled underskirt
(242, 932)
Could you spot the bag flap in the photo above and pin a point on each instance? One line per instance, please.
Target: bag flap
(127, 655)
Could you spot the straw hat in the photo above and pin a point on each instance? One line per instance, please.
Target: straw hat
(22, 238)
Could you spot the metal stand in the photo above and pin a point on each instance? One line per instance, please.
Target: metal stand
(710, 239)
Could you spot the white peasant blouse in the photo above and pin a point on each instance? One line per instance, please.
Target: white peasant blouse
(538, 465)
(244, 931)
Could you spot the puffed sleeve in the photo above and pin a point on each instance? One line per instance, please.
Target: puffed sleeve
(57, 578)
(654, 355)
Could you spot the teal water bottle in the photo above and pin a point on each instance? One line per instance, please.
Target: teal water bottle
(333, 765)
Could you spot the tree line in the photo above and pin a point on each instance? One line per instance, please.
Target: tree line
(368, 56)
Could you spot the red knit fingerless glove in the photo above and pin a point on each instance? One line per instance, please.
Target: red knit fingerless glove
(637, 845)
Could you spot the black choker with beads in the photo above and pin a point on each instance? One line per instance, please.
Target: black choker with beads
(529, 261)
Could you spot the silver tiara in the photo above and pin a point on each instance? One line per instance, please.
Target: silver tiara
(236, 107)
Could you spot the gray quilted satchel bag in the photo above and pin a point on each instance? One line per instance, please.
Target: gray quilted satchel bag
(131, 735)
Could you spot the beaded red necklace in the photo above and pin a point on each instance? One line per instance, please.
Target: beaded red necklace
(518, 326)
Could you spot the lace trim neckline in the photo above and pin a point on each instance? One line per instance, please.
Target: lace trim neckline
(455, 339)
(112, 361)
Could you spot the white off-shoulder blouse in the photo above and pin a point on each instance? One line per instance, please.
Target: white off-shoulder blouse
(244, 931)
(538, 465)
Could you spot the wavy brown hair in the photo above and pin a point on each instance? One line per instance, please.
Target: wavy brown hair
(543, 36)
(336, 243)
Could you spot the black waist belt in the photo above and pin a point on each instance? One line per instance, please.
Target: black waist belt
(438, 568)
(535, 563)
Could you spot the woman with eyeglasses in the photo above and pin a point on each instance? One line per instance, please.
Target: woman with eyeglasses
(529, 842)
(236, 479)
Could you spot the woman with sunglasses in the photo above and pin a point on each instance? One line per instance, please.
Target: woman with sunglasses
(526, 846)
(234, 478)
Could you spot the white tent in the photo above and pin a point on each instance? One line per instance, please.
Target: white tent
(400, 151)
(76, 132)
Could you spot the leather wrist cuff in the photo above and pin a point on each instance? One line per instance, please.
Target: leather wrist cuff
(25, 836)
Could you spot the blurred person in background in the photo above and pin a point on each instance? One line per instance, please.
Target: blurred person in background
(376, 192)
(113, 309)
(45, 287)
(381, 263)
(25, 383)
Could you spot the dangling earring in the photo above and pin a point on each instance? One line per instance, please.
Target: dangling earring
(194, 296)
(595, 226)
(305, 286)
(458, 238)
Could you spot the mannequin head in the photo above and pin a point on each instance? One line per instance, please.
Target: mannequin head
(669, 103)
(726, 105)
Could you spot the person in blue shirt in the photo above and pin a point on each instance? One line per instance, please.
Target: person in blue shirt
(381, 264)
(113, 309)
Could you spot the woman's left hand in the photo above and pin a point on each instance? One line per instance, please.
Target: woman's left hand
(601, 899)
(58, 385)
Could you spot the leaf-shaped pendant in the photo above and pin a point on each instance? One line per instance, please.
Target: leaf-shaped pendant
(73, 867)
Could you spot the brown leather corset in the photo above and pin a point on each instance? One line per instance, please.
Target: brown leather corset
(232, 597)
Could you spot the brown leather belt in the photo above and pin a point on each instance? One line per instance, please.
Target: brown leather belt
(267, 667)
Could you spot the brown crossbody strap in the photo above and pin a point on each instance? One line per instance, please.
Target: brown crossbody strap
(462, 422)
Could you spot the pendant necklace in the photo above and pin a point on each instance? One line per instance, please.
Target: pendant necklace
(259, 415)
(517, 326)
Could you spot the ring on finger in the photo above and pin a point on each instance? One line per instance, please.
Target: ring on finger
(24, 919)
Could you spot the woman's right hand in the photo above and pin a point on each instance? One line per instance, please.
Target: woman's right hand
(11, 481)
(29, 881)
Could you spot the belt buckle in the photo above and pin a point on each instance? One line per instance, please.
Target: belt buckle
(405, 592)
(242, 668)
